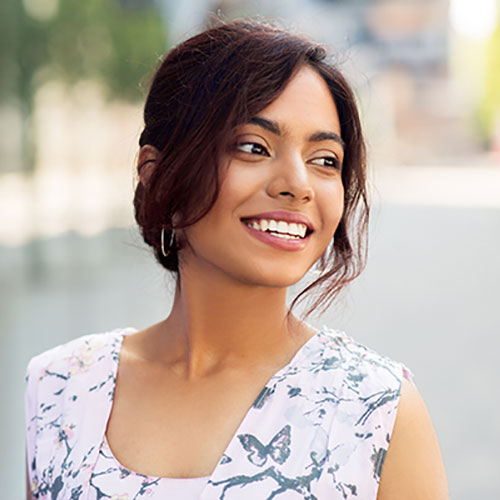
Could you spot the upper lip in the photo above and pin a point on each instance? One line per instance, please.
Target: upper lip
(284, 216)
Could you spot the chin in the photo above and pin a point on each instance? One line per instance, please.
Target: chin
(274, 278)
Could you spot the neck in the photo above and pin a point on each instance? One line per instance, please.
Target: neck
(219, 322)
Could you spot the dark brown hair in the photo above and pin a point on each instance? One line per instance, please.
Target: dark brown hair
(201, 91)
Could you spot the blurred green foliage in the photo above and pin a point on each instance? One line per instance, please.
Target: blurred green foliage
(117, 43)
(490, 108)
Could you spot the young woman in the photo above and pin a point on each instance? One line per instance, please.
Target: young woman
(251, 171)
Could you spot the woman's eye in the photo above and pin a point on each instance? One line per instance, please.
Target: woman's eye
(252, 148)
(327, 161)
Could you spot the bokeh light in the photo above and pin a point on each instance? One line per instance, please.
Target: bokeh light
(475, 19)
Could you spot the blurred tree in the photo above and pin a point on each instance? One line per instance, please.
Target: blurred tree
(116, 42)
(23, 47)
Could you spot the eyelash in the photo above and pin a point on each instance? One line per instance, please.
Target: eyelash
(335, 163)
(263, 150)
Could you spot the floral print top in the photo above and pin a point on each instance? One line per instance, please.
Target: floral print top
(319, 430)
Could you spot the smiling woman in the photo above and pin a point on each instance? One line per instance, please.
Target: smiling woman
(251, 171)
(204, 92)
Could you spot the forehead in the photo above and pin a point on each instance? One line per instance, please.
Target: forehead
(306, 104)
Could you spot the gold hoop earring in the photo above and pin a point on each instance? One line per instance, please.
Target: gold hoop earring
(170, 244)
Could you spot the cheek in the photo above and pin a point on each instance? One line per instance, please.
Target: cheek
(239, 184)
(218, 223)
(331, 202)
(238, 187)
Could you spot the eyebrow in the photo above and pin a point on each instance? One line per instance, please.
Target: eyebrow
(269, 125)
(274, 127)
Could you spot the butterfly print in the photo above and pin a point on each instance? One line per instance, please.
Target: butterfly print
(278, 449)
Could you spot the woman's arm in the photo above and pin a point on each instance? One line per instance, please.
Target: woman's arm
(413, 468)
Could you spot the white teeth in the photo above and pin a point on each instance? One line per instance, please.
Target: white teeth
(273, 225)
(280, 228)
(264, 225)
(286, 236)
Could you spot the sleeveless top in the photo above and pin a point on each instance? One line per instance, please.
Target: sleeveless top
(319, 429)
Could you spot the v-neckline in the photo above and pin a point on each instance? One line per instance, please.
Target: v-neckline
(268, 387)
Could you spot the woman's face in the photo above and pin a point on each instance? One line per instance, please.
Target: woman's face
(281, 197)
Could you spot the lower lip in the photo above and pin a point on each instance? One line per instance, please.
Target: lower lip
(276, 241)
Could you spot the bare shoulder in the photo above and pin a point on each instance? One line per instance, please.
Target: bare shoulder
(413, 468)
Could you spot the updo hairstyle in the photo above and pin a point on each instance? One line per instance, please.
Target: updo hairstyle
(206, 87)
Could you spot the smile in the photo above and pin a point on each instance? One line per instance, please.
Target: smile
(285, 235)
(279, 228)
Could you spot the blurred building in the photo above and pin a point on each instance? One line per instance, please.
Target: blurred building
(419, 85)
(397, 53)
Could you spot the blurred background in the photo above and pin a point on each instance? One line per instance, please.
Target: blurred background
(427, 73)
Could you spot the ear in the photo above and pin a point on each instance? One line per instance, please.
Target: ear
(146, 163)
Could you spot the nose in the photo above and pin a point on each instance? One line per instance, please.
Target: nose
(291, 179)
